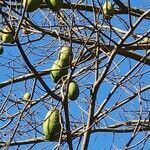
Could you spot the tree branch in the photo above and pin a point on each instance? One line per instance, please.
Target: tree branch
(36, 73)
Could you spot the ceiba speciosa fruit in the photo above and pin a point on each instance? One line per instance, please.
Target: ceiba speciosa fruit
(58, 70)
(54, 5)
(31, 5)
(52, 125)
(108, 10)
(7, 36)
(66, 55)
(73, 90)
(26, 96)
(1, 50)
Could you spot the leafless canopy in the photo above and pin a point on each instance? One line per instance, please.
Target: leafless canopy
(111, 60)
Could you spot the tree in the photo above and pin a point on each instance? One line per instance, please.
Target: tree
(110, 65)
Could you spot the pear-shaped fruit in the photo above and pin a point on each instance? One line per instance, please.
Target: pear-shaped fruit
(58, 70)
(108, 10)
(1, 50)
(73, 91)
(27, 96)
(7, 35)
(31, 5)
(54, 5)
(52, 125)
(66, 55)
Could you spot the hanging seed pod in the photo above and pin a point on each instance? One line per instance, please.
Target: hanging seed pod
(27, 96)
(58, 71)
(108, 10)
(66, 55)
(52, 125)
(73, 91)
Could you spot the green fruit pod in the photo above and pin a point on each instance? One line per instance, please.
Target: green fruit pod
(54, 5)
(108, 10)
(58, 71)
(1, 50)
(52, 125)
(27, 96)
(7, 35)
(66, 55)
(73, 91)
(31, 5)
